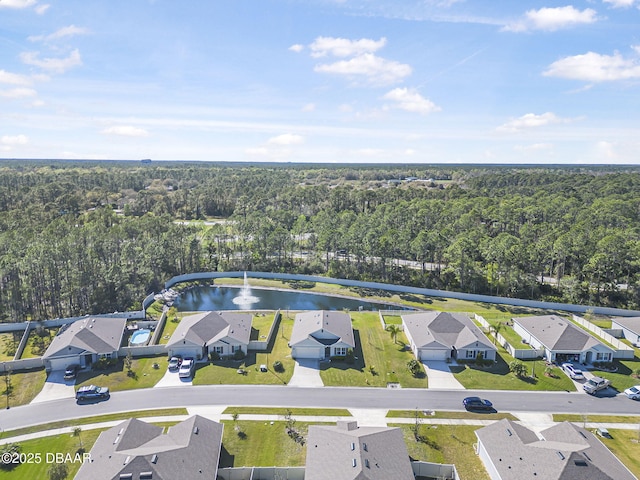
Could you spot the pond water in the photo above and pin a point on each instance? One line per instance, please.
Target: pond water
(222, 298)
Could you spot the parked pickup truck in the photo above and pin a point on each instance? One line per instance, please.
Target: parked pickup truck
(596, 384)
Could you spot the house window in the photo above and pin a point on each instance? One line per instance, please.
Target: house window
(219, 350)
(471, 354)
(602, 356)
(340, 351)
(235, 348)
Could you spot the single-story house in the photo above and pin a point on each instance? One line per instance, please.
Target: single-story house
(204, 333)
(630, 327)
(565, 451)
(321, 334)
(443, 335)
(561, 340)
(136, 450)
(348, 452)
(84, 341)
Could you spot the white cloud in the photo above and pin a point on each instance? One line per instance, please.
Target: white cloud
(309, 107)
(621, 3)
(343, 47)
(41, 9)
(126, 131)
(14, 140)
(594, 67)
(286, 139)
(296, 48)
(536, 147)
(14, 78)
(375, 70)
(531, 120)
(69, 31)
(606, 150)
(21, 92)
(552, 19)
(411, 101)
(17, 3)
(54, 65)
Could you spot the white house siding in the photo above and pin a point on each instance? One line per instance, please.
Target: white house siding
(225, 349)
(488, 464)
(487, 354)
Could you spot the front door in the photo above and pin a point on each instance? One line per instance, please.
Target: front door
(327, 352)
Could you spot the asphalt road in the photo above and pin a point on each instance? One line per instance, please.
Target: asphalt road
(328, 397)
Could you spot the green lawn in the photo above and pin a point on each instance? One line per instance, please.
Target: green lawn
(260, 325)
(30, 350)
(170, 326)
(25, 386)
(447, 444)
(580, 418)
(116, 378)
(392, 319)
(498, 376)
(265, 444)
(622, 379)
(450, 415)
(5, 340)
(226, 371)
(325, 412)
(61, 444)
(625, 445)
(374, 349)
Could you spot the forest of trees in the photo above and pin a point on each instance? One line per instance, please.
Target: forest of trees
(93, 237)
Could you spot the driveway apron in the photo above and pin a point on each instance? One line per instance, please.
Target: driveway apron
(306, 373)
(440, 376)
(55, 388)
(172, 379)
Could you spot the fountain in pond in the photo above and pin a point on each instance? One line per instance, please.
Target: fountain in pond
(245, 297)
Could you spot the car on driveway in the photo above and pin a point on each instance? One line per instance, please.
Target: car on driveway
(91, 392)
(71, 371)
(174, 363)
(186, 368)
(477, 403)
(633, 392)
(595, 384)
(573, 372)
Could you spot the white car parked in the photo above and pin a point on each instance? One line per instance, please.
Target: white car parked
(186, 368)
(573, 372)
(633, 392)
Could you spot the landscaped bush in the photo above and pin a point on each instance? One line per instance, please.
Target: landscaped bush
(104, 363)
(239, 355)
(278, 367)
(215, 356)
(350, 358)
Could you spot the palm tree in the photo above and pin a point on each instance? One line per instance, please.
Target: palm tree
(393, 330)
(76, 433)
(495, 329)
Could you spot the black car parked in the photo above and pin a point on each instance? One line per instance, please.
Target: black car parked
(477, 403)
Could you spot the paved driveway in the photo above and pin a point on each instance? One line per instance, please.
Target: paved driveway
(306, 373)
(172, 379)
(56, 387)
(440, 376)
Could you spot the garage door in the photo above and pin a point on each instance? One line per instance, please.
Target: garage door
(307, 352)
(433, 355)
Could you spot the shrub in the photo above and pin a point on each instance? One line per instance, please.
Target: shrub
(239, 355)
(350, 358)
(215, 356)
(278, 367)
(103, 363)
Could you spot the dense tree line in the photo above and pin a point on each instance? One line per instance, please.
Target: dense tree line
(83, 237)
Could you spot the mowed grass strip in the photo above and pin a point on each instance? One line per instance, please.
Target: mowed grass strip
(624, 444)
(452, 444)
(24, 387)
(449, 415)
(321, 412)
(578, 418)
(116, 378)
(379, 360)
(77, 422)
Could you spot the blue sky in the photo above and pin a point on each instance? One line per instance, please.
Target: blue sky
(337, 81)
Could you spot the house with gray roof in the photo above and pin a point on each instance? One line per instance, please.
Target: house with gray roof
(84, 341)
(348, 452)
(630, 327)
(444, 335)
(561, 340)
(321, 334)
(204, 333)
(564, 451)
(136, 450)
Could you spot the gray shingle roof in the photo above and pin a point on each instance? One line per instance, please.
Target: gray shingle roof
(562, 452)
(348, 452)
(336, 323)
(437, 330)
(630, 323)
(557, 333)
(206, 328)
(91, 334)
(189, 450)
